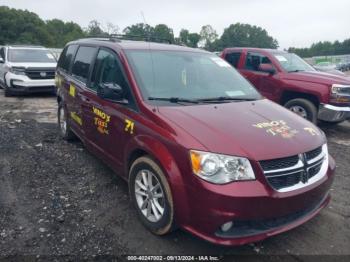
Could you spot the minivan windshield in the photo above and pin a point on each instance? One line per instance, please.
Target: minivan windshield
(31, 55)
(188, 77)
(292, 63)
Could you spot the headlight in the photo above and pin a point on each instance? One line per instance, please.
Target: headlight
(17, 70)
(336, 89)
(220, 169)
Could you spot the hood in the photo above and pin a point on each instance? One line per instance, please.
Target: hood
(257, 130)
(33, 65)
(317, 77)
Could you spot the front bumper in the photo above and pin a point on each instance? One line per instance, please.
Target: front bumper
(331, 113)
(23, 84)
(256, 210)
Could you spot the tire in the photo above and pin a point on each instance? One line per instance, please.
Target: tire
(64, 129)
(165, 224)
(7, 92)
(304, 108)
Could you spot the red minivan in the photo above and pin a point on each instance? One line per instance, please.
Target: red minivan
(287, 79)
(200, 148)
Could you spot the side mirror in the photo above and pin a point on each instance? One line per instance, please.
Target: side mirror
(267, 68)
(1, 60)
(112, 92)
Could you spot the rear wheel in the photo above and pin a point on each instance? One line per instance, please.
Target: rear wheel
(151, 196)
(303, 108)
(63, 125)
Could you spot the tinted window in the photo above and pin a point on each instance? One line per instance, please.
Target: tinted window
(233, 58)
(66, 57)
(82, 62)
(253, 61)
(107, 70)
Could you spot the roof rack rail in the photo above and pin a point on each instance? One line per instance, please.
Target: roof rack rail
(24, 45)
(119, 37)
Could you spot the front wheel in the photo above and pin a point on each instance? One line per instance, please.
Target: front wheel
(151, 196)
(303, 108)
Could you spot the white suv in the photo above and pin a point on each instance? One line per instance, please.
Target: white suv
(27, 69)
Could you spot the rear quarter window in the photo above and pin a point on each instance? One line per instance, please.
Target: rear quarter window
(66, 57)
(82, 62)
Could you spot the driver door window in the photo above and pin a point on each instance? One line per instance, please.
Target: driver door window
(107, 70)
(253, 61)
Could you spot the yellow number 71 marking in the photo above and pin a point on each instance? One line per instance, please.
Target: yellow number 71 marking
(129, 126)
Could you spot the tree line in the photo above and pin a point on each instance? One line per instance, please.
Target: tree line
(323, 49)
(24, 27)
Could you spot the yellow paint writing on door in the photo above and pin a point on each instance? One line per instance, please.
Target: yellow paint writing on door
(129, 126)
(72, 90)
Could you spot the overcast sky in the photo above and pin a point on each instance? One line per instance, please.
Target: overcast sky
(297, 23)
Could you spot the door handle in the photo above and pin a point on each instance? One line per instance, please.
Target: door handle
(85, 99)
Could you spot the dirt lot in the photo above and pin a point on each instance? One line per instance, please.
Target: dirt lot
(58, 199)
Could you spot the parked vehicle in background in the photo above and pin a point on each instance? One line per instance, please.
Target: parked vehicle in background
(56, 52)
(27, 69)
(288, 80)
(325, 66)
(199, 146)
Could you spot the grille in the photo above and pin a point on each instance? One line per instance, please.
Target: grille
(345, 90)
(37, 73)
(315, 169)
(279, 179)
(268, 165)
(279, 182)
(313, 153)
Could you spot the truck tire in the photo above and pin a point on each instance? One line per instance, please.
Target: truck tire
(63, 125)
(303, 108)
(151, 195)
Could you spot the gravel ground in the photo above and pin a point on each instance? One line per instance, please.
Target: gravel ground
(57, 199)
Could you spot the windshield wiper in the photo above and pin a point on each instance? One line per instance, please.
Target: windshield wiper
(173, 99)
(296, 71)
(224, 98)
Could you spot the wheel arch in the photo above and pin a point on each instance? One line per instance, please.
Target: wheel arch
(288, 95)
(155, 149)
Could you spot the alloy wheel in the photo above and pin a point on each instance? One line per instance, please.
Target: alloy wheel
(149, 195)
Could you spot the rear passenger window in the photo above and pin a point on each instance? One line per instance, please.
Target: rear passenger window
(253, 61)
(233, 58)
(82, 62)
(66, 57)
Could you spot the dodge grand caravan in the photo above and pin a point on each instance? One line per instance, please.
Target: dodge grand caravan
(288, 80)
(199, 146)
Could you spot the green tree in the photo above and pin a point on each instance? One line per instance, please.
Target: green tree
(94, 29)
(161, 32)
(139, 29)
(207, 36)
(22, 27)
(245, 35)
(189, 39)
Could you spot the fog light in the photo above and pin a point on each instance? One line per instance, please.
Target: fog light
(227, 226)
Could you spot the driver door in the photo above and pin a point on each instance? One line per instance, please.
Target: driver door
(106, 120)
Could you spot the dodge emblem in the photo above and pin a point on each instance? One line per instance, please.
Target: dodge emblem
(43, 74)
